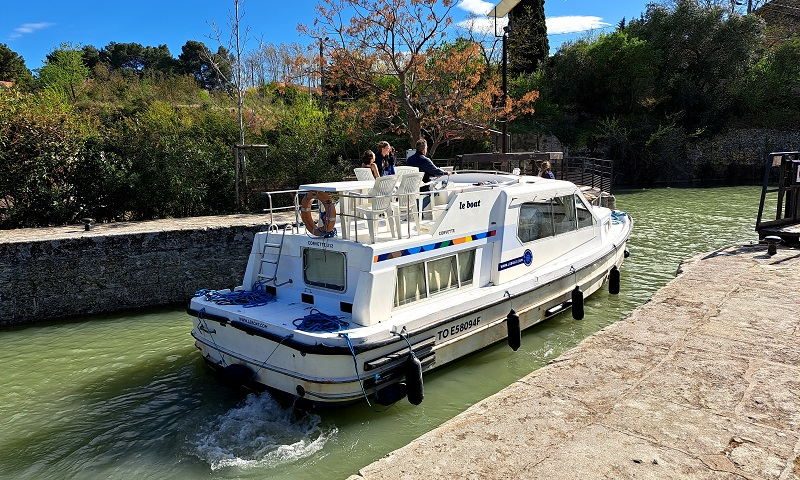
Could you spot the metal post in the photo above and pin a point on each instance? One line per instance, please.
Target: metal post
(321, 72)
(236, 178)
(504, 146)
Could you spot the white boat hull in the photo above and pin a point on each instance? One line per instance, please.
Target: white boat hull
(328, 374)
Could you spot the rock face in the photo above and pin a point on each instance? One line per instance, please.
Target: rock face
(51, 273)
(701, 382)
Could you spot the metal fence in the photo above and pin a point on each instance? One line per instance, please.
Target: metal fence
(586, 171)
(596, 173)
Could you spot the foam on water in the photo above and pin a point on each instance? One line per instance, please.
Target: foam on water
(260, 433)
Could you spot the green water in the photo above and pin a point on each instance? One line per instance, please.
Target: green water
(128, 396)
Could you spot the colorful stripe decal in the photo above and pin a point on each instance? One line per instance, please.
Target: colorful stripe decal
(433, 246)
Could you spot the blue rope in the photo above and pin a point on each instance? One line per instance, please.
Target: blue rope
(244, 298)
(318, 322)
(355, 365)
(618, 216)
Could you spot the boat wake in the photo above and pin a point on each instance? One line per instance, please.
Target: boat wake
(260, 433)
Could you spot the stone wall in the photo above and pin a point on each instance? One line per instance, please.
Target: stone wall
(54, 273)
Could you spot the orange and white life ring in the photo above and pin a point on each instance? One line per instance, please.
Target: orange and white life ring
(325, 228)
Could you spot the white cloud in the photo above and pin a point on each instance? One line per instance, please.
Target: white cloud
(574, 24)
(555, 25)
(483, 25)
(27, 28)
(476, 7)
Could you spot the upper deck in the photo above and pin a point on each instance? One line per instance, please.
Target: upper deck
(385, 222)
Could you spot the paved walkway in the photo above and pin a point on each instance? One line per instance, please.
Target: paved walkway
(702, 382)
(23, 235)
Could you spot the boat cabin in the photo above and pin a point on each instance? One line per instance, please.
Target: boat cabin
(398, 253)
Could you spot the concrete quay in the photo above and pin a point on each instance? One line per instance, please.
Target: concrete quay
(702, 382)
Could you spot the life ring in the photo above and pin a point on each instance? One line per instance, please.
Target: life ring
(327, 218)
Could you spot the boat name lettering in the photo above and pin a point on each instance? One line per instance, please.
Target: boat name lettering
(447, 232)
(458, 328)
(468, 204)
(252, 322)
(315, 243)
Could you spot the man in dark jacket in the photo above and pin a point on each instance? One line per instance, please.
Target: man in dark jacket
(426, 166)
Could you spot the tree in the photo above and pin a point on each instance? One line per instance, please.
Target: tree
(12, 66)
(64, 70)
(528, 46)
(703, 51)
(460, 92)
(384, 37)
(391, 49)
(236, 45)
(135, 58)
(91, 56)
(211, 71)
(454, 93)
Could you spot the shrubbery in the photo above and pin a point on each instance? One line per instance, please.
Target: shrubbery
(655, 93)
(125, 147)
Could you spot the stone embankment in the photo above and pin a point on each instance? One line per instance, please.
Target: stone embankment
(51, 273)
(701, 382)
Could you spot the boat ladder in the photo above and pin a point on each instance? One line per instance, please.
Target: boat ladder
(272, 249)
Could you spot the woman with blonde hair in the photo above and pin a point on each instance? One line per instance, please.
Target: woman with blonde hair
(368, 161)
(546, 171)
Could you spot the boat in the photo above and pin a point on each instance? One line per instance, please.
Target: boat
(387, 285)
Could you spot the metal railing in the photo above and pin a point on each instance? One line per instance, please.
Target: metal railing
(412, 207)
(591, 172)
(596, 173)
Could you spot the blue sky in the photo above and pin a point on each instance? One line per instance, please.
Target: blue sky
(34, 27)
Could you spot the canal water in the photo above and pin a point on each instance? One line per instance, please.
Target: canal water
(128, 396)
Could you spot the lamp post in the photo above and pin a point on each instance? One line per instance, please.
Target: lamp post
(504, 143)
(501, 10)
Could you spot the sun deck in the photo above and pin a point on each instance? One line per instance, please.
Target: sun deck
(404, 219)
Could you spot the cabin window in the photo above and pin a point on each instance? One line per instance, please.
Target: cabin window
(442, 274)
(535, 221)
(466, 267)
(564, 219)
(324, 269)
(410, 284)
(585, 218)
(424, 279)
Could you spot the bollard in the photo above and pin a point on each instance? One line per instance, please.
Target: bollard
(772, 244)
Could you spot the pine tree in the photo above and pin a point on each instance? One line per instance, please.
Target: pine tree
(528, 46)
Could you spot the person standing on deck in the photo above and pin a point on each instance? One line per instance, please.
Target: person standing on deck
(546, 171)
(426, 166)
(385, 158)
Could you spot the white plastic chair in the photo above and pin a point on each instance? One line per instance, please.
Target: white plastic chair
(408, 196)
(364, 174)
(380, 204)
(400, 171)
(449, 169)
